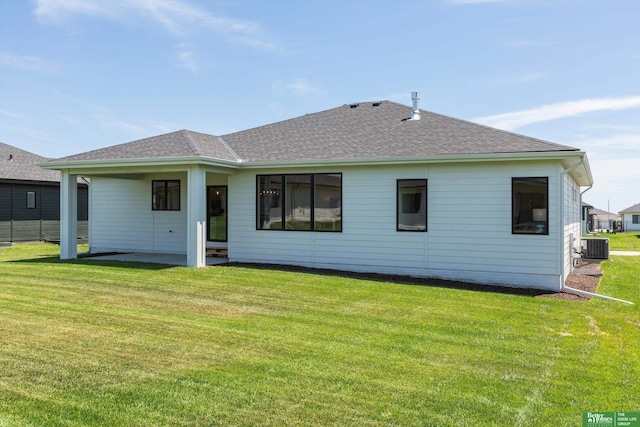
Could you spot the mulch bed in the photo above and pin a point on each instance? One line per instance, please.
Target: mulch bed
(582, 282)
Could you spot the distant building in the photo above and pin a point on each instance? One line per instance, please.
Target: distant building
(587, 218)
(603, 220)
(30, 199)
(631, 218)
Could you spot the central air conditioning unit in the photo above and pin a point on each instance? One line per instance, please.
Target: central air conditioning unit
(596, 248)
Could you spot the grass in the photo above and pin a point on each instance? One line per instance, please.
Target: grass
(627, 241)
(104, 343)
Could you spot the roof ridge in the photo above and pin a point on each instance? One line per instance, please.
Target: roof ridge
(191, 142)
(228, 147)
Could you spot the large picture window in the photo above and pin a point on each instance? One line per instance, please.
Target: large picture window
(530, 205)
(299, 202)
(635, 219)
(165, 195)
(412, 205)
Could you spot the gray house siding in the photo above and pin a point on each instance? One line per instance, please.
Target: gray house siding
(19, 223)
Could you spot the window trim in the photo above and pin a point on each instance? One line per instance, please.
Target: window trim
(426, 205)
(513, 207)
(35, 200)
(166, 195)
(312, 195)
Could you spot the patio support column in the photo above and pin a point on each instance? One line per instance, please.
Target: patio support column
(68, 215)
(196, 216)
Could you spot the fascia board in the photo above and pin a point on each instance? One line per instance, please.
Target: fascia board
(140, 162)
(178, 163)
(459, 158)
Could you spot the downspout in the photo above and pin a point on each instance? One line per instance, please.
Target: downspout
(581, 211)
(568, 289)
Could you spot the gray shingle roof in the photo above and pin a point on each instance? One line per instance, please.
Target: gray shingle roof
(633, 209)
(23, 167)
(353, 131)
(183, 143)
(596, 211)
(377, 129)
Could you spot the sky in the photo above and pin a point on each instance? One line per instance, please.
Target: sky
(77, 75)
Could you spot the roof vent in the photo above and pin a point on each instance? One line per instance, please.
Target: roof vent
(353, 105)
(11, 157)
(376, 104)
(415, 114)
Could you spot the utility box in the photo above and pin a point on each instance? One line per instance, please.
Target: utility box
(596, 248)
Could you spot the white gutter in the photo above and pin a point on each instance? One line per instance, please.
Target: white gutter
(452, 158)
(248, 164)
(568, 289)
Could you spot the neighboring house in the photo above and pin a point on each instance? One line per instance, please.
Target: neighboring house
(603, 220)
(631, 218)
(368, 187)
(587, 218)
(30, 198)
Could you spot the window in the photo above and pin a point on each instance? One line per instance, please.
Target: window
(635, 219)
(299, 202)
(411, 205)
(327, 205)
(217, 208)
(31, 199)
(530, 201)
(166, 195)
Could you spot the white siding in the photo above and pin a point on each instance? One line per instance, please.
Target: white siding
(571, 222)
(469, 226)
(627, 222)
(122, 219)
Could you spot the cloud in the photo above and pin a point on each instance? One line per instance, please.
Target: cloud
(297, 87)
(475, 1)
(32, 133)
(29, 63)
(187, 61)
(142, 128)
(177, 17)
(303, 87)
(12, 115)
(615, 143)
(528, 77)
(517, 119)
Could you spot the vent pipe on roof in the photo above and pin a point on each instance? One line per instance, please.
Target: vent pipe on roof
(415, 114)
(11, 157)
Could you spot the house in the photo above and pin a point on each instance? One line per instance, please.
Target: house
(603, 220)
(30, 198)
(631, 218)
(587, 218)
(367, 187)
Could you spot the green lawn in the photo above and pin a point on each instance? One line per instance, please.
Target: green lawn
(628, 241)
(113, 344)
